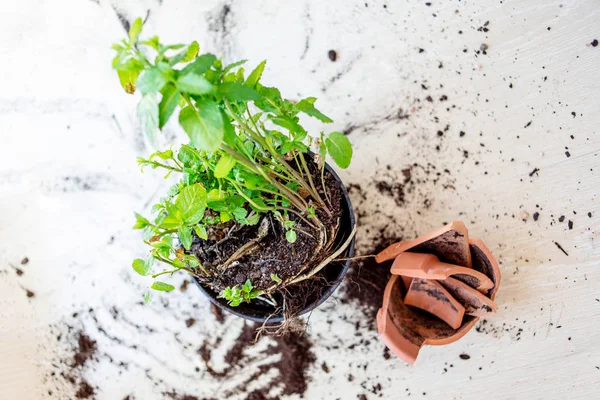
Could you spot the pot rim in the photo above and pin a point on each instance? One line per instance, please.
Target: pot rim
(325, 295)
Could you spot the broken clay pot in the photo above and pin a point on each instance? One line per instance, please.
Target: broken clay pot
(404, 328)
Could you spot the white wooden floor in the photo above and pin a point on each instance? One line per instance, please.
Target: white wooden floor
(528, 107)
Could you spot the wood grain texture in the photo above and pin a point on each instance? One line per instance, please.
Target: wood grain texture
(69, 184)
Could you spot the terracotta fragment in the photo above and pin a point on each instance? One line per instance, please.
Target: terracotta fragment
(449, 243)
(430, 296)
(475, 302)
(428, 266)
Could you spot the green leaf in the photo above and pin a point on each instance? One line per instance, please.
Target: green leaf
(291, 236)
(141, 267)
(185, 236)
(186, 55)
(247, 286)
(165, 155)
(240, 213)
(252, 219)
(237, 92)
(307, 107)
(147, 297)
(147, 112)
(233, 65)
(140, 222)
(224, 166)
(152, 42)
(135, 30)
(151, 80)
(204, 125)
(187, 155)
(310, 212)
(339, 148)
(289, 124)
(170, 98)
(276, 278)
(191, 202)
(128, 74)
(194, 84)
(201, 231)
(255, 75)
(229, 132)
(200, 65)
(162, 287)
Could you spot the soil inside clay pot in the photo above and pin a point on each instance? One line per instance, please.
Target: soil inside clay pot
(274, 255)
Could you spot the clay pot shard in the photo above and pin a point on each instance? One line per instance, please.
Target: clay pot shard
(485, 262)
(474, 302)
(428, 266)
(431, 296)
(449, 243)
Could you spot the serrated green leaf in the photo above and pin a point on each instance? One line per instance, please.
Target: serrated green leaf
(168, 103)
(141, 267)
(187, 156)
(135, 30)
(140, 222)
(162, 287)
(200, 65)
(256, 74)
(191, 202)
(237, 92)
(147, 112)
(291, 236)
(307, 107)
(224, 166)
(185, 236)
(151, 80)
(204, 125)
(194, 84)
(339, 148)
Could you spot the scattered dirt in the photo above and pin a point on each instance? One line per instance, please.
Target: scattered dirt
(295, 357)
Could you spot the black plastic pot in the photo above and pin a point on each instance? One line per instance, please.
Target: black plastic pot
(334, 272)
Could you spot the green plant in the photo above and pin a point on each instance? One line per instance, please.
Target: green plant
(245, 158)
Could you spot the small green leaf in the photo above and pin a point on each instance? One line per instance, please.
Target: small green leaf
(194, 84)
(185, 236)
(276, 278)
(187, 155)
(170, 98)
(204, 125)
(128, 74)
(307, 107)
(224, 166)
(140, 222)
(191, 202)
(162, 287)
(147, 297)
(240, 213)
(229, 136)
(201, 231)
(135, 30)
(310, 212)
(247, 286)
(233, 65)
(165, 155)
(141, 267)
(151, 80)
(255, 75)
(252, 219)
(186, 55)
(200, 65)
(339, 148)
(291, 236)
(147, 112)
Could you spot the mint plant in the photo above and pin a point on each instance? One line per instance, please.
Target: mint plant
(246, 163)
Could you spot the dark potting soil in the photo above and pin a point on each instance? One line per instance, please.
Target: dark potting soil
(272, 254)
(83, 350)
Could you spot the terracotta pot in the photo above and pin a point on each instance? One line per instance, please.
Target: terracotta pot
(406, 329)
(430, 296)
(333, 273)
